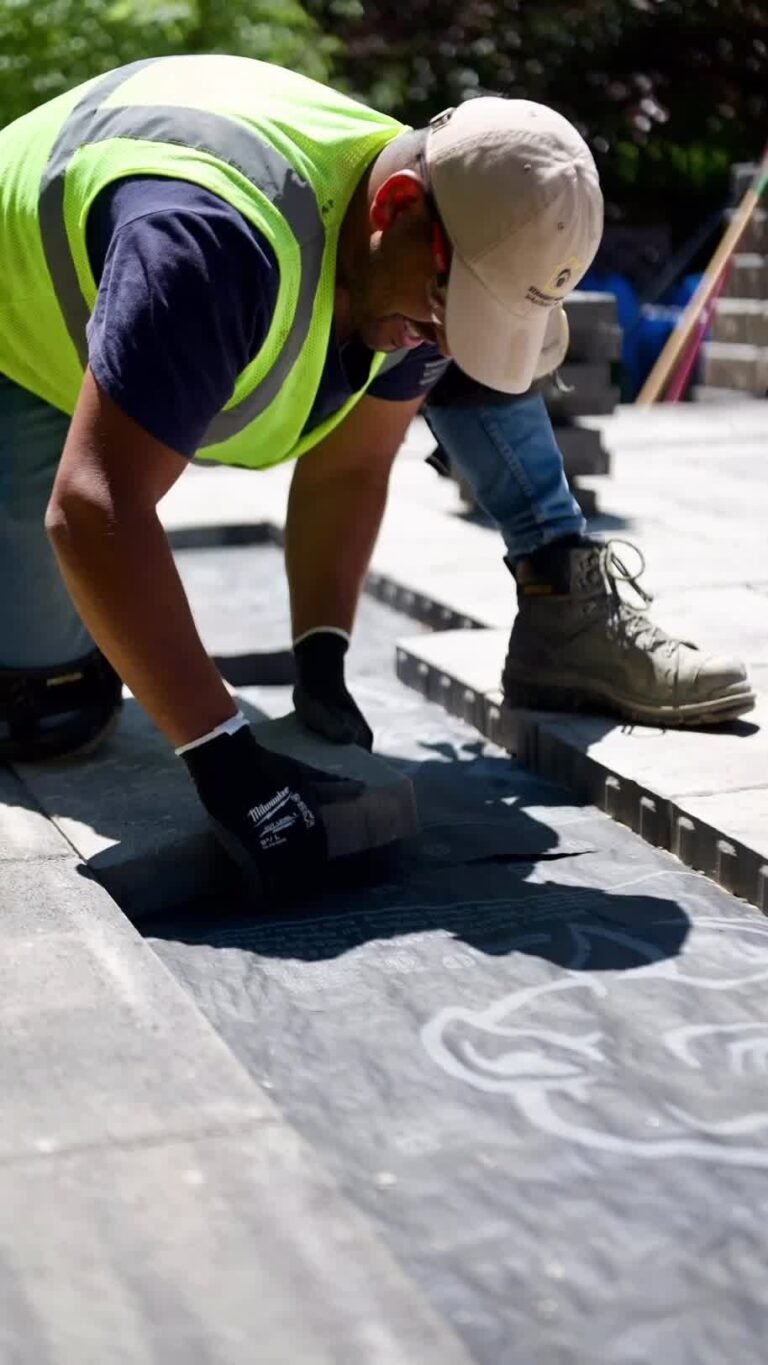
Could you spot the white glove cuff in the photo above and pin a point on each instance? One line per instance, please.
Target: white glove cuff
(324, 630)
(227, 727)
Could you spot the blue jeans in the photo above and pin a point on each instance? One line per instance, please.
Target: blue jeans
(508, 454)
(39, 626)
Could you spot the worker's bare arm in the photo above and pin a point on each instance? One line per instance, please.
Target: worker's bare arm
(118, 566)
(338, 496)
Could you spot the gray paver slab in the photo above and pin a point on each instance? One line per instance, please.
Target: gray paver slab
(98, 1044)
(541, 1087)
(675, 763)
(682, 424)
(644, 776)
(225, 1249)
(720, 620)
(132, 814)
(741, 816)
(383, 812)
(532, 1235)
(25, 832)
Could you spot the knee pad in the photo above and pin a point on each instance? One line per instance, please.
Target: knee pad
(53, 712)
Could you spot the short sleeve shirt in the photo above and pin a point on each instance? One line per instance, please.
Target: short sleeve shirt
(187, 291)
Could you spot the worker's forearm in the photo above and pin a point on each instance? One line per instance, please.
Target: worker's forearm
(123, 581)
(330, 534)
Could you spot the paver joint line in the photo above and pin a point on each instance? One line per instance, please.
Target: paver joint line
(207, 1133)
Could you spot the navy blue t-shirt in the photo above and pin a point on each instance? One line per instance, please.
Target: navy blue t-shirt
(187, 290)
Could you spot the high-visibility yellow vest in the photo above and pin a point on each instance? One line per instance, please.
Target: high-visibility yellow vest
(284, 151)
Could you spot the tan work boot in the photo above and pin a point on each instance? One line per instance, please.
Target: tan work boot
(577, 645)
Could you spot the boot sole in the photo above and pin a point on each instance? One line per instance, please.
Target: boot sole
(527, 694)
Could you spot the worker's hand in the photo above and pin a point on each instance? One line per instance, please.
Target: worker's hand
(266, 809)
(320, 696)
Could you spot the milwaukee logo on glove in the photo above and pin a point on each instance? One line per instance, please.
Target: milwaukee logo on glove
(274, 818)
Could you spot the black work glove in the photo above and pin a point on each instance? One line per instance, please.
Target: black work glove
(320, 696)
(266, 809)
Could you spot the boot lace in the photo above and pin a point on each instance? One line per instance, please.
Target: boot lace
(629, 619)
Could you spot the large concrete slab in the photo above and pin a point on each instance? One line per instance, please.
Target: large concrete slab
(221, 1248)
(154, 1206)
(649, 778)
(25, 831)
(132, 814)
(729, 619)
(98, 1044)
(539, 1075)
(385, 811)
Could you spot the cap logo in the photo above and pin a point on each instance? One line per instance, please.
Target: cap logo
(556, 286)
(562, 277)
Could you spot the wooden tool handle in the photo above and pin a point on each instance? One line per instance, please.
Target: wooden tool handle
(733, 234)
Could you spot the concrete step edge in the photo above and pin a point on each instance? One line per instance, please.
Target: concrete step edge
(661, 821)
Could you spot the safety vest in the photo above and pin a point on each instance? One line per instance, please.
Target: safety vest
(284, 151)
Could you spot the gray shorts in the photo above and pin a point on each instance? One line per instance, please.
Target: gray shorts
(39, 625)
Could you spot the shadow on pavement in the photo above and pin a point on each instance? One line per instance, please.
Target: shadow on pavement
(482, 873)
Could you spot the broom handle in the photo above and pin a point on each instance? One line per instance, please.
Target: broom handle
(679, 381)
(666, 362)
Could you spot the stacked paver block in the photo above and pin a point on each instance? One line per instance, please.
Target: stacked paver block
(736, 356)
(584, 388)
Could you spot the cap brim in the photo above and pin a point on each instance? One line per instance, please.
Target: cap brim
(488, 342)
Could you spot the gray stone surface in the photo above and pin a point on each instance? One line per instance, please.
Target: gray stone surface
(687, 485)
(25, 832)
(583, 450)
(385, 811)
(225, 1249)
(98, 1044)
(132, 814)
(741, 320)
(529, 1048)
(646, 777)
(130, 810)
(154, 1206)
(755, 237)
(537, 1065)
(731, 365)
(748, 277)
(581, 387)
(593, 324)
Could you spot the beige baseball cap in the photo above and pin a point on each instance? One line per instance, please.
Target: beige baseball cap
(517, 190)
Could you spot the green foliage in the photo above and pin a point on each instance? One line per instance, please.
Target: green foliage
(667, 92)
(47, 48)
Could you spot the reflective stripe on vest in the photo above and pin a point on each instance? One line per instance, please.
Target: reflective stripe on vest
(266, 169)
